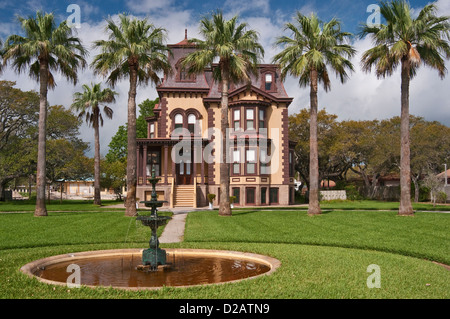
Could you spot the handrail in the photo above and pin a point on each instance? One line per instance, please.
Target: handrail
(195, 192)
(172, 193)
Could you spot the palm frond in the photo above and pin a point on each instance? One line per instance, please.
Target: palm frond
(132, 43)
(230, 41)
(314, 45)
(48, 43)
(403, 38)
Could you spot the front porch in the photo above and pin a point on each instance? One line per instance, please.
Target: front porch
(183, 181)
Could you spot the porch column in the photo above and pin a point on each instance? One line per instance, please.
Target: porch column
(139, 169)
(202, 166)
(166, 164)
(144, 165)
(194, 163)
(174, 171)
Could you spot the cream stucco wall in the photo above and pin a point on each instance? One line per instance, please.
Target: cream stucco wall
(273, 114)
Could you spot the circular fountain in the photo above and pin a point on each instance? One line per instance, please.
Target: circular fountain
(118, 268)
(150, 268)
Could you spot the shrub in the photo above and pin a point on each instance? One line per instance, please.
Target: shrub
(441, 197)
(211, 197)
(352, 193)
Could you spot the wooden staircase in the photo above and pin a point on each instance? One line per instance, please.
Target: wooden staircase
(184, 196)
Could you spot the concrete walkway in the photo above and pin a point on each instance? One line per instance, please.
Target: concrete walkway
(174, 230)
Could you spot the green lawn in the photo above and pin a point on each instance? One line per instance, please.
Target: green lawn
(55, 205)
(322, 256)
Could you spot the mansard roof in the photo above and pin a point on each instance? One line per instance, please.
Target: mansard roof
(204, 82)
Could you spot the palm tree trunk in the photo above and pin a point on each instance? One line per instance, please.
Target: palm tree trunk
(132, 146)
(314, 207)
(405, 167)
(224, 206)
(97, 198)
(41, 209)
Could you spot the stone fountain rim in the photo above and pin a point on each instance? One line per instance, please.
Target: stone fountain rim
(27, 269)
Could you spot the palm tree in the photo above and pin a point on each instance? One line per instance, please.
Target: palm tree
(314, 46)
(87, 103)
(135, 50)
(44, 49)
(406, 41)
(238, 53)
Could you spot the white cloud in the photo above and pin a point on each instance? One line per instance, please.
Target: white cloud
(145, 6)
(256, 7)
(443, 7)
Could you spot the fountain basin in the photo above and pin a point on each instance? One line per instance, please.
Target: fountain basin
(153, 221)
(118, 268)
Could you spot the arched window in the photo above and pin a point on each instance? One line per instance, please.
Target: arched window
(192, 119)
(178, 121)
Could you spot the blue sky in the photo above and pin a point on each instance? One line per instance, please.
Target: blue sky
(363, 97)
(350, 12)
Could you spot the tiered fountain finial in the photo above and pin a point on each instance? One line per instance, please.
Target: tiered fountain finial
(153, 256)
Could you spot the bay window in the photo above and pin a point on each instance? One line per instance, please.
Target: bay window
(250, 160)
(250, 119)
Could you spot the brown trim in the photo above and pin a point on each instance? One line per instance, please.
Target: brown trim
(183, 89)
(162, 121)
(235, 180)
(249, 102)
(269, 96)
(250, 179)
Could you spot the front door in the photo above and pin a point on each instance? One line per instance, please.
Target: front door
(184, 167)
(184, 173)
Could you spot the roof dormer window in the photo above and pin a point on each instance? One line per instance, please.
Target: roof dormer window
(269, 81)
(183, 74)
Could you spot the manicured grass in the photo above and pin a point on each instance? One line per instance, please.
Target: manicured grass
(55, 205)
(322, 257)
(378, 205)
(424, 236)
(70, 228)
